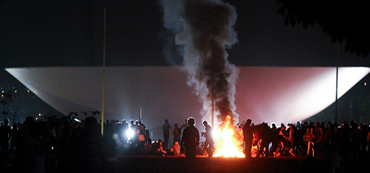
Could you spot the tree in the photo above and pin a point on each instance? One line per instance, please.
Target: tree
(7, 99)
(16, 110)
(340, 19)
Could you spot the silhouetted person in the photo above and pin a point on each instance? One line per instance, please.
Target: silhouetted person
(190, 141)
(175, 149)
(345, 140)
(184, 125)
(35, 148)
(182, 129)
(140, 133)
(5, 135)
(209, 143)
(309, 138)
(65, 146)
(13, 141)
(328, 137)
(133, 127)
(160, 149)
(166, 133)
(90, 147)
(176, 133)
(363, 142)
(266, 139)
(274, 137)
(248, 137)
(319, 142)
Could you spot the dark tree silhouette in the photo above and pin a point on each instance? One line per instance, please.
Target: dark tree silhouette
(7, 99)
(16, 110)
(340, 19)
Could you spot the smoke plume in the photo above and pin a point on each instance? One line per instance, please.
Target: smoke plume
(203, 29)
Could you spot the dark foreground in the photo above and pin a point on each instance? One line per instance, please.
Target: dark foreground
(285, 164)
(203, 164)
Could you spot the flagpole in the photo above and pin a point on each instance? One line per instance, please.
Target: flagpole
(102, 109)
(336, 85)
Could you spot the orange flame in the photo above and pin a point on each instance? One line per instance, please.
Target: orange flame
(229, 142)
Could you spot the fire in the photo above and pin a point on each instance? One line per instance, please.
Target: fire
(229, 142)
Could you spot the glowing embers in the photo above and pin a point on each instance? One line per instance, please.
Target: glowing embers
(229, 141)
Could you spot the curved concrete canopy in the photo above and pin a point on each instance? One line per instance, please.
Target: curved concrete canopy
(272, 94)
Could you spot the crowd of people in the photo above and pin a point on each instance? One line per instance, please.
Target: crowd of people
(313, 139)
(64, 145)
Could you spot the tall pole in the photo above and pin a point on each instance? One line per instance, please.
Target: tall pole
(336, 86)
(213, 99)
(102, 105)
(140, 114)
(213, 110)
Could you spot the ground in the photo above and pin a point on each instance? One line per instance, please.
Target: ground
(204, 164)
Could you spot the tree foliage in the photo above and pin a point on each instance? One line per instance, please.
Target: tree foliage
(7, 99)
(341, 19)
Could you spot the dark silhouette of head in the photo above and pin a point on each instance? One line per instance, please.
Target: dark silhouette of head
(191, 121)
(248, 123)
(90, 122)
(6, 122)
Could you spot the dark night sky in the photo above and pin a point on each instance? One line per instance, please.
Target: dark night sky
(70, 33)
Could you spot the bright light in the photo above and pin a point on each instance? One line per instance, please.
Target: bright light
(229, 143)
(129, 134)
(77, 120)
(314, 94)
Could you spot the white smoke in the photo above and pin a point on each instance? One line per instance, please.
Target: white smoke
(204, 28)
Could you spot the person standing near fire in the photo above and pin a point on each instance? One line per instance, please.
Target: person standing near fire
(166, 133)
(181, 130)
(209, 143)
(176, 133)
(190, 141)
(248, 137)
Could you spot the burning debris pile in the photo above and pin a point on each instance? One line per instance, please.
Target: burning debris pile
(203, 29)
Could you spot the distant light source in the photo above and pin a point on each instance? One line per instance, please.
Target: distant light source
(39, 114)
(365, 84)
(77, 120)
(129, 134)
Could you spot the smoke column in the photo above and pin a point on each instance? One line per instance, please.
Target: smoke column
(203, 29)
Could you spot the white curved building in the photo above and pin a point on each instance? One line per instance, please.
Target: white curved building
(272, 94)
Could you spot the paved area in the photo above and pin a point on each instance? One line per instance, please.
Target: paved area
(216, 164)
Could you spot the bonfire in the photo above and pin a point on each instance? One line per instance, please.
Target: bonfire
(229, 140)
